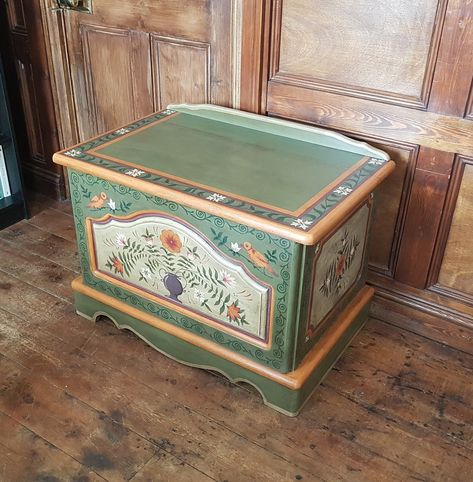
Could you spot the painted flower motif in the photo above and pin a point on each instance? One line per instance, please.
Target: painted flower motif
(216, 197)
(235, 247)
(168, 111)
(122, 131)
(376, 162)
(117, 264)
(73, 153)
(134, 173)
(191, 256)
(171, 241)
(227, 278)
(111, 204)
(199, 295)
(301, 223)
(120, 240)
(340, 269)
(146, 273)
(233, 312)
(343, 190)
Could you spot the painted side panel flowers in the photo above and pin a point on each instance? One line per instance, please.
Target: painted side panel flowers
(171, 260)
(338, 265)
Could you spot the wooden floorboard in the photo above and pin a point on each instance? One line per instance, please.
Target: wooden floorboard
(87, 402)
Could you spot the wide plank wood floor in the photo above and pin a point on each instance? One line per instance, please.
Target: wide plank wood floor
(86, 402)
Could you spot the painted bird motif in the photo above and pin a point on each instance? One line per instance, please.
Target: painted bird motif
(97, 201)
(257, 258)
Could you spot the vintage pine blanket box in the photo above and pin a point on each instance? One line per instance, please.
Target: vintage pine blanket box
(228, 241)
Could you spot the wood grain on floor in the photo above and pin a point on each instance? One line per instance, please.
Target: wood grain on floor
(87, 402)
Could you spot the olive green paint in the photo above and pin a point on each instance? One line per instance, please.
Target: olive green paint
(268, 168)
(277, 396)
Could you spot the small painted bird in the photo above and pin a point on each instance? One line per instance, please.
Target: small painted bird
(257, 258)
(97, 201)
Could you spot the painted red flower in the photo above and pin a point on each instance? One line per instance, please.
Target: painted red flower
(171, 241)
(233, 312)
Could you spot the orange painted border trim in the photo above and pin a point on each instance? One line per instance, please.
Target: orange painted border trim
(300, 210)
(309, 237)
(293, 380)
(160, 301)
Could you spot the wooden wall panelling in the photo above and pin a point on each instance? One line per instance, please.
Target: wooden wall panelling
(452, 81)
(16, 16)
(116, 68)
(179, 51)
(469, 107)
(181, 71)
(60, 75)
(452, 270)
(426, 203)
(29, 48)
(224, 78)
(342, 52)
(254, 55)
(440, 132)
(391, 206)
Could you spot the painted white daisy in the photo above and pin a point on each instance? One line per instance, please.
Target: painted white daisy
(235, 247)
(73, 153)
(227, 278)
(146, 273)
(169, 111)
(120, 240)
(376, 162)
(343, 190)
(111, 204)
(122, 131)
(199, 295)
(301, 223)
(216, 197)
(134, 173)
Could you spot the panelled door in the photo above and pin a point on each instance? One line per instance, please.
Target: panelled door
(127, 59)
(397, 74)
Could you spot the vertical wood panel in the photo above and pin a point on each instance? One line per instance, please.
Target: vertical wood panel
(425, 208)
(16, 15)
(456, 271)
(390, 208)
(27, 37)
(117, 67)
(254, 55)
(454, 67)
(180, 71)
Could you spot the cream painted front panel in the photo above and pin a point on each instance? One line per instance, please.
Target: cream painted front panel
(167, 258)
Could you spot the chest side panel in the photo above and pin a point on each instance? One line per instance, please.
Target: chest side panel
(223, 281)
(333, 274)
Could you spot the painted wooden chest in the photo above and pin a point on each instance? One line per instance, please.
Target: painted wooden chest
(228, 241)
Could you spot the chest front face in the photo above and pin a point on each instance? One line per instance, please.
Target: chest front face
(223, 281)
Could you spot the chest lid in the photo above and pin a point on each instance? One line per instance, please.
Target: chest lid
(278, 176)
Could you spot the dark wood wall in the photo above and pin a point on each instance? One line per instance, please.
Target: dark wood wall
(397, 74)
(28, 45)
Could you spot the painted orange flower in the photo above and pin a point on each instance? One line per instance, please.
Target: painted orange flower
(118, 265)
(233, 312)
(171, 241)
